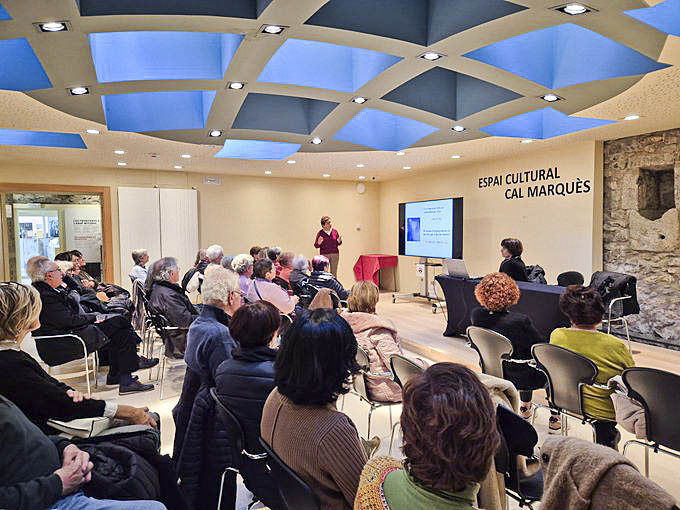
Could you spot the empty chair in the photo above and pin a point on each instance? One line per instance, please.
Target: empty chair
(404, 368)
(492, 348)
(69, 347)
(656, 390)
(570, 278)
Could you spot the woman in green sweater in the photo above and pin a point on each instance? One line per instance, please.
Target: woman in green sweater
(449, 438)
(585, 309)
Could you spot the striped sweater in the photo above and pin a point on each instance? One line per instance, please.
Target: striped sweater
(320, 444)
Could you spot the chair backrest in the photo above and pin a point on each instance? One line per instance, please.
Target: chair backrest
(295, 492)
(567, 372)
(492, 348)
(362, 359)
(404, 369)
(360, 384)
(570, 278)
(55, 350)
(656, 391)
(230, 422)
(307, 294)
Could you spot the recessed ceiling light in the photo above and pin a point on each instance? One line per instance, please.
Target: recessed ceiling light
(79, 91)
(186, 156)
(631, 117)
(359, 100)
(215, 133)
(574, 9)
(121, 163)
(92, 131)
(316, 140)
(326, 175)
(362, 177)
(53, 26)
(528, 140)
(458, 129)
(551, 98)
(267, 172)
(400, 153)
(236, 85)
(360, 165)
(291, 161)
(456, 156)
(273, 29)
(407, 168)
(119, 152)
(431, 56)
(177, 167)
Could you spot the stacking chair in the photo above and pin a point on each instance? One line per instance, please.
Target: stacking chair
(520, 438)
(295, 492)
(656, 390)
(403, 369)
(568, 373)
(162, 325)
(76, 349)
(231, 423)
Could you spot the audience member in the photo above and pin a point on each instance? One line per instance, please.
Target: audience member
(377, 336)
(200, 264)
(273, 254)
(213, 254)
(85, 279)
(262, 288)
(138, 271)
(285, 268)
(244, 381)
(448, 424)
(243, 265)
(40, 473)
(299, 274)
(39, 396)
(300, 421)
(497, 293)
(61, 315)
(321, 277)
(227, 261)
(263, 254)
(254, 251)
(584, 308)
(512, 265)
(167, 298)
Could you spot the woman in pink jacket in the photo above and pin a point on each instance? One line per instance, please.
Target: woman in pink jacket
(377, 336)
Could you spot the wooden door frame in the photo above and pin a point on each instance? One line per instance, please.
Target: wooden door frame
(107, 222)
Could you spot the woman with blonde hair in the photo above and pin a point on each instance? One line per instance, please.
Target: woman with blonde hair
(377, 336)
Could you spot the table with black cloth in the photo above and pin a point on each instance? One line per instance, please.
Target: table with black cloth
(540, 302)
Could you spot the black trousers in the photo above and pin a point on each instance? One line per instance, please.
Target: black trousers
(122, 346)
(605, 433)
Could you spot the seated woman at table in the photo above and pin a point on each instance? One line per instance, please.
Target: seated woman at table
(497, 293)
(513, 265)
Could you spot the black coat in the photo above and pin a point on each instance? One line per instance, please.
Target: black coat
(514, 267)
(170, 300)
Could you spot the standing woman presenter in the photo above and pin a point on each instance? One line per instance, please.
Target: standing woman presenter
(328, 240)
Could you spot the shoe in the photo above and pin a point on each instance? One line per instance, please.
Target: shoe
(134, 387)
(554, 425)
(526, 411)
(114, 380)
(145, 363)
(371, 446)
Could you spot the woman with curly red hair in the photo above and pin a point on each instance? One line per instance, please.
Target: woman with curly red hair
(497, 293)
(450, 436)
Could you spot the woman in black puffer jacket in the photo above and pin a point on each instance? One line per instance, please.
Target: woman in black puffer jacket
(244, 383)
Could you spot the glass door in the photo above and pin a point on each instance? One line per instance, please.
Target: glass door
(37, 232)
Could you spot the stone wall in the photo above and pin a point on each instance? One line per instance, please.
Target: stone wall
(642, 226)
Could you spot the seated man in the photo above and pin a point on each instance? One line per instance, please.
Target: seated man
(299, 274)
(40, 472)
(61, 315)
(139, 272)
(321, 277)
(284, 272)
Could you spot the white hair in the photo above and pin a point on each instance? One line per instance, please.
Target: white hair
(64, 266)
(242, 262)
(138, 254)
(218, 284)
(160, 272)
(300, 263)
(214, 253)
(38, 267)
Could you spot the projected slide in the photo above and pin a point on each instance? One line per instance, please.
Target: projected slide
(429, 228)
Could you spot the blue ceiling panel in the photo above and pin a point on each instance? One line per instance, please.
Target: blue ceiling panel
(21, 69)
(542, 124)
(4, 15)
(250, 9)
(128, 56)
(383, 131)
(449, 94)
(158, 111)
(325, 65)
(257, 149)
(421, 22)
(665, 16)
(41, 139)
(556, 57)
(271, 112)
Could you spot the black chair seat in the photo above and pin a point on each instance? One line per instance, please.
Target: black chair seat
(531, 487)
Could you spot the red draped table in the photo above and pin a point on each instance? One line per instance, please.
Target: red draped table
(368, 267)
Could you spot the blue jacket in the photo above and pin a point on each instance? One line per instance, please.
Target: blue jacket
(209, 343)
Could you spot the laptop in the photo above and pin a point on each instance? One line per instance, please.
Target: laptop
(456, 268)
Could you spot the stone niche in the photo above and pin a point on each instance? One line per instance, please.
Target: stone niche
(642, 226)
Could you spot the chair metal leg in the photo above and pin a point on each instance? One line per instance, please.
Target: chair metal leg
(391, 421)
(87, 375)
(162, 375)
(370, 412)
(342, 403)
(224, 474)
(647, 461)
(565, 422)
(394, 429)
(96, 369)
